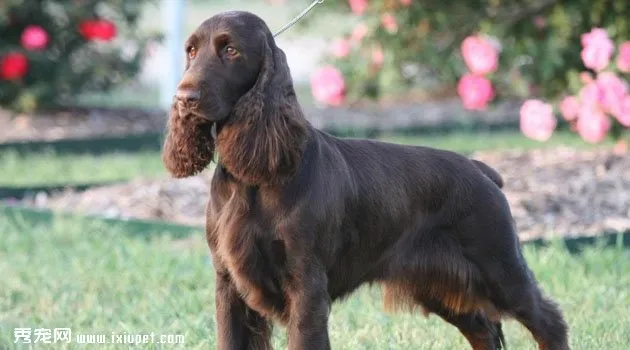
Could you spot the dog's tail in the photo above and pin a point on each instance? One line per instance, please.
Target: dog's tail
(489, 172)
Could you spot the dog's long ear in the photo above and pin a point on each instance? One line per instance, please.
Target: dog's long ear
(262, 142)
(189, 146)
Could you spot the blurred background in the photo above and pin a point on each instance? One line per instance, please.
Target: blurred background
(538, 89)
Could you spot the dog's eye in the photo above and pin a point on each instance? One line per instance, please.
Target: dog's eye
(192, 52)
(230, 51)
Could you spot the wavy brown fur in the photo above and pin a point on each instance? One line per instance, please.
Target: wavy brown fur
(189, 146)
(298, 218)
(262, 142)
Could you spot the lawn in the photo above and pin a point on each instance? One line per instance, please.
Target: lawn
(96, 278)
(38, 169)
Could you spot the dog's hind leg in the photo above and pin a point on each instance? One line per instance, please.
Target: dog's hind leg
(514, 291)
(507, 281)
(476, 327)
(539, 315)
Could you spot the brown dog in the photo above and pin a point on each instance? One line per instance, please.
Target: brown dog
(298, 218)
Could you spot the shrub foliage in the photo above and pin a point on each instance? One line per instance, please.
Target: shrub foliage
(52, 50)
(405, 45)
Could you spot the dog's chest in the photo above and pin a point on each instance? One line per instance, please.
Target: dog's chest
(252, 253)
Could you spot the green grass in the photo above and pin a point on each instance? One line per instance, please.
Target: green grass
(469, 142)
(132, 95)
(49, 169)
(95, 278)
(37, 169)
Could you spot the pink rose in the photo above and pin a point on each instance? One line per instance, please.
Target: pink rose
(540, 22)
(359, 32)
(358, 7)
(597, 49)
(537, 120)
(591, 95)
(389, 22)
(475, 91)
(624, 116)
(340, 48)
(378, 56)
(593, 125)
(612, 90)
(328, 86)
(34, 38)
(623, 60)
(480, 55)
(570, 107)
(405, 2)
(586, 78)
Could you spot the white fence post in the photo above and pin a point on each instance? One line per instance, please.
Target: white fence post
(173, 13)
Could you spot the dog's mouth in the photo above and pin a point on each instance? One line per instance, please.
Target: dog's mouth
(185, 109)
(201, 112)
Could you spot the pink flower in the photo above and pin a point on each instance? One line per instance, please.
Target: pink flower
(405, 2)
(340, 48)
(593, 125)
(358, 7)
(328, 86)
(623, 60)
(540, 22)
(624, 116)
(34, 38)
(389, 22)
(475, 91)
(378, 56)
(612, 91)
(570, 107)
(591, 95)
(359, 32)
(586, 78)
(480, 55)
(537, 120)
(597, 49)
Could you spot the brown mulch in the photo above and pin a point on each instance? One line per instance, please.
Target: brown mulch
(175, 200)
(560, 191)
(565, 191)
(79, 123)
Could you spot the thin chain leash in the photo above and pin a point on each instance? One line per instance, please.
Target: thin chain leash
(298, 17)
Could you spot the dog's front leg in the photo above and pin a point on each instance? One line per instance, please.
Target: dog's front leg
(238, 326)
(310, 307)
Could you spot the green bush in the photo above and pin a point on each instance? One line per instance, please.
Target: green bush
(404, 46)
(540, 42)
(50, 51)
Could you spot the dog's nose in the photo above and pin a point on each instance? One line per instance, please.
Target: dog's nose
(187, 95)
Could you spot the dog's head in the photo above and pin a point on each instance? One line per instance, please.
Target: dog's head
(226, 56)
(234, 74)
